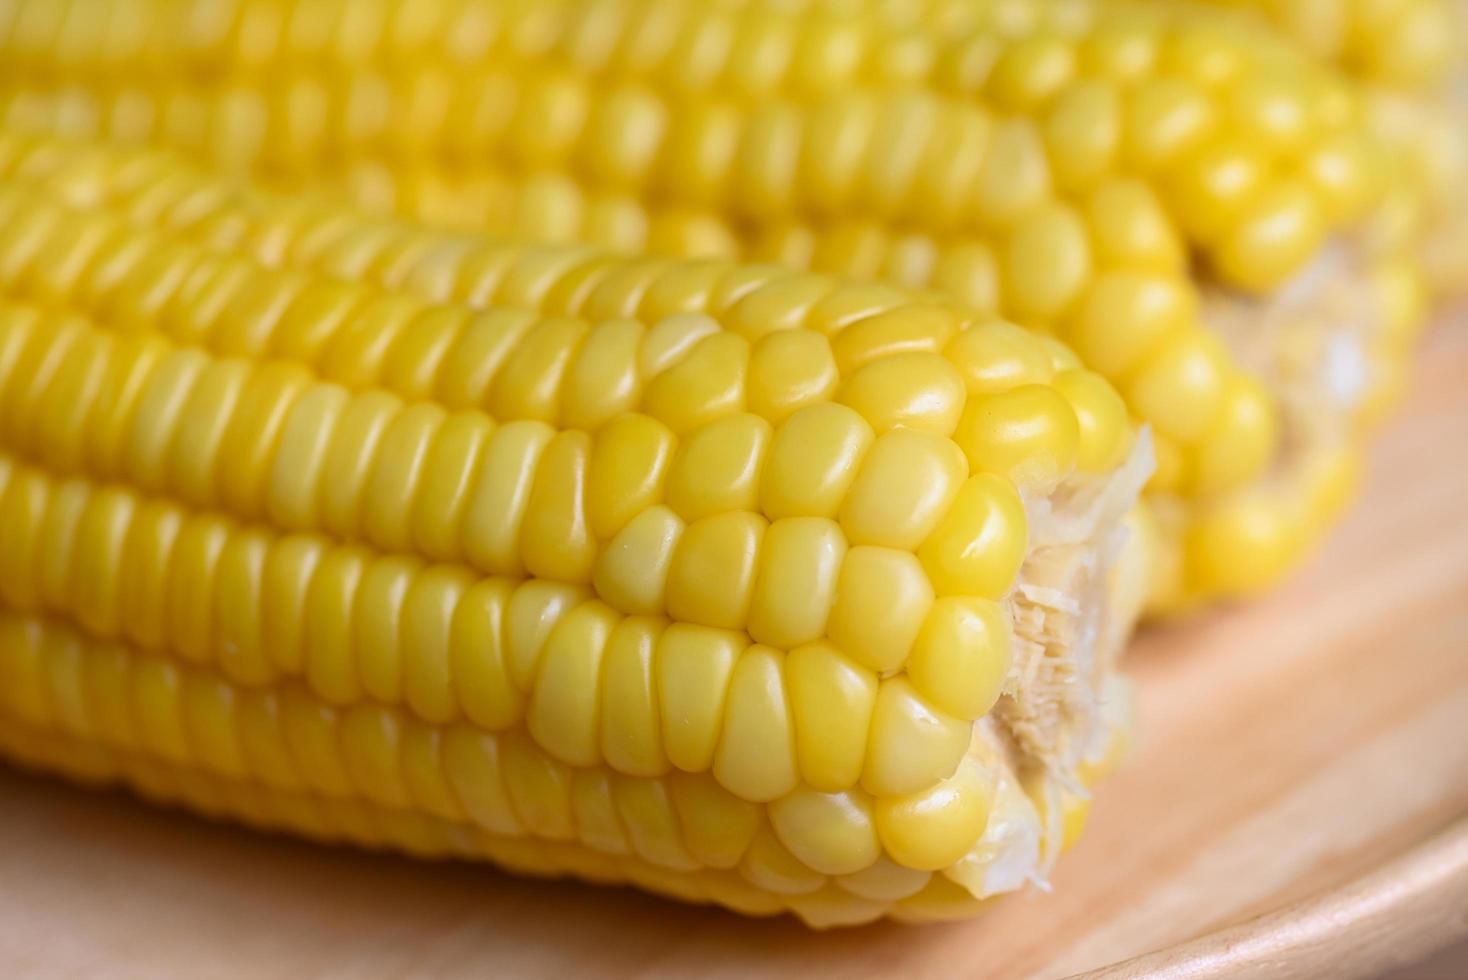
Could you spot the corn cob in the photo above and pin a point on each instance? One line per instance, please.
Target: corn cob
(1056, 164)
(741, 584)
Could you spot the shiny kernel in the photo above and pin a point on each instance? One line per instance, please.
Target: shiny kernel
(755, 759)
(997, 355)
(1213, 184)
(1029, 434)
(534, 610)
(904, 486)
(693, 668)
(1346, 171)
(717, 468)
(632, 571)
(1243, 544)
(1179, 387)
(1131, 229)
(563, 713)
(1124, 316)
(478, 657)
(1165, 117)
(603, 382)
(629, 461)
(1241, 442)
(961, 658)
(882, 600)
(908, 328)
(1083, 132)
(1046, 261)
(913, 391)
(884, 881)
(912, 744)
(1274, 237)
(711, 578)
(1030, 71)
(1273, 109)
(813, 460)
(768, 865)
(501, 495)
(555, 540)
(788, 370)
(631, 730)
(981, 542)
(833, 833)
(703, 385)
(1105, 428)
(831, 703)
(935, 827)
(717, 826)
(796, 584)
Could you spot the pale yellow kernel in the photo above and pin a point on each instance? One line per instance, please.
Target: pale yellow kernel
(1179, 387)
(776, 306)
(693, 667)
(563, 713)
(795, 587)
(1046, 261)
(1165, 117)
(882, 600)
(1105, 430)
(831, 702)
(909, 328)
(1083, 132)
(905, 484)
(1131, 229)
(996, 355)
(379, 625)
(935, 827)
(832, 833)
(711, 577)
(788, 370)
(392, 483)
(446, 483)
(717, 825)
(594, 811)
(651, 822)
(884, 881)
(555, 539)
(1242, 441)
(1273, 108)
(962, 656)
(1028, 434)
(1030, 71)
(539, 788)
(914, 391)
(981, 542)
(501, 494)
(813, 460)
(629, 462)
(1210, 186)
(330, 653)
(478, 357)
(529, 385)
(631, 732)
(912, 743)
(755, 758)
(1243, 544)
(478, 657)
(603, 380)
(969, 272)
(767, 864)
(631, 572)
(1274, 237)
(1015, 176)
(1124, 316)
(718, 467)
(623, 134)
(704, 384)
(535, 608)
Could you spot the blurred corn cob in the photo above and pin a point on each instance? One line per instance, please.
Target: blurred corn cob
(1411, 57)
(742, 584)
(1065, 165)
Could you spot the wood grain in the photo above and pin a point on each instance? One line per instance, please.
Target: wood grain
(1287, 749)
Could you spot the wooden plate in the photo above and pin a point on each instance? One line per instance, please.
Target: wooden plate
(1298, 746)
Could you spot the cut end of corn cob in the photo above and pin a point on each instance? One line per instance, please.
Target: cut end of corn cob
(740, 584)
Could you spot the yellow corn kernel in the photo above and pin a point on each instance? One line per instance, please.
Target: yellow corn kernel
(913, 744)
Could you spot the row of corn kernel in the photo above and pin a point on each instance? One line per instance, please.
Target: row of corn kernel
(186, 716)
(845, 899)
(1229, 426)
(357, 625)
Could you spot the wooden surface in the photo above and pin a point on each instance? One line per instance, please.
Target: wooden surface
(1301, 760)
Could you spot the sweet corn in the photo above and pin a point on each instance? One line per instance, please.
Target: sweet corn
(742, 584)
(1060, 165)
